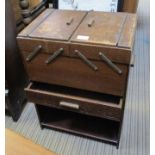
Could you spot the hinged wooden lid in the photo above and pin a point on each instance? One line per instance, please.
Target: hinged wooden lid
(110, 29)
(59, 25)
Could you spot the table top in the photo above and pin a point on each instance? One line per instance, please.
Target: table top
(93, 27)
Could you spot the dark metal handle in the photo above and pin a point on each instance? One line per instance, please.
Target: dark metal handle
(54, 55)
(91, 22)
(34, 53)
(69, 21)
(110, 63)
(88, 62)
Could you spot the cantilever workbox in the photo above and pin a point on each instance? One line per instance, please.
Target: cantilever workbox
(78, 64)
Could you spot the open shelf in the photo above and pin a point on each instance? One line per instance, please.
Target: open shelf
(87, 126)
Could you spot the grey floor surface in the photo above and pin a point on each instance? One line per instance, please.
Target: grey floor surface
(136, 125)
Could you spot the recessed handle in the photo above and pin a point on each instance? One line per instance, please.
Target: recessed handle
(54, 55)
(34, 53)
(110, 63)
(69, 22)
(69, 105)
(88, 62)
(91, 22)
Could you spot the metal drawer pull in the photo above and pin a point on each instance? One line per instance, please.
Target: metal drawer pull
(69, 105)
(69, 21)
(110, 63)
(91, 22)
(34, 53)
(54, 55)
(88, 62)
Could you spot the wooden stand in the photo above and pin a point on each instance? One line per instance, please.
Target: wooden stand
(79, 71)
(104, 127)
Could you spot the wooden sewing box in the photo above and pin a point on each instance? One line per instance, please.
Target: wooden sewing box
(78, 64)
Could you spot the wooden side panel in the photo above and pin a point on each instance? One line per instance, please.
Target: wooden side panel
(75, 73)
(128, 32)
(36, 22)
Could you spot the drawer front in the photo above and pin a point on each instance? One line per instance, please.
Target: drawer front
(29, 45)
(77, 74)
(93, 107)
(55, 46)
(116, 55)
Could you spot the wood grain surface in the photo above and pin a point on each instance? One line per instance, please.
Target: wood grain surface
(77, 74)
(18, 145)
(89, 103)
(56, 27)
(105, 30)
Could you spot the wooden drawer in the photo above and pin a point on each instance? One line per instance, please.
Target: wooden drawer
(28, 45)
(47, 46)
(94, 104)
(116, 55)
(75, 73)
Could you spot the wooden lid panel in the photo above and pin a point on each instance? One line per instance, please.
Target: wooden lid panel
(128, 32)
(105, 28)
(35, 22)
(59, 25)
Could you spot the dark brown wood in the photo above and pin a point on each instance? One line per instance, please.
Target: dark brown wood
(15, 75)
(79, 83)
(87, 126)
(75, 73)
(103, 106)
(30, 9)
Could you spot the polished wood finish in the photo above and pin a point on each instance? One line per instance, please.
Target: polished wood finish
(112, 29)
(16, 144)
(105, 30)
(128, 33)
(89, 103)
(59, 29)
(35, 22)
(75, 73)
(87, 76)
(116, 55)
(27, 45)
(112, 34)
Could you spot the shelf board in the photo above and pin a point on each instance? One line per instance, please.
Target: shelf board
(87, 126)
